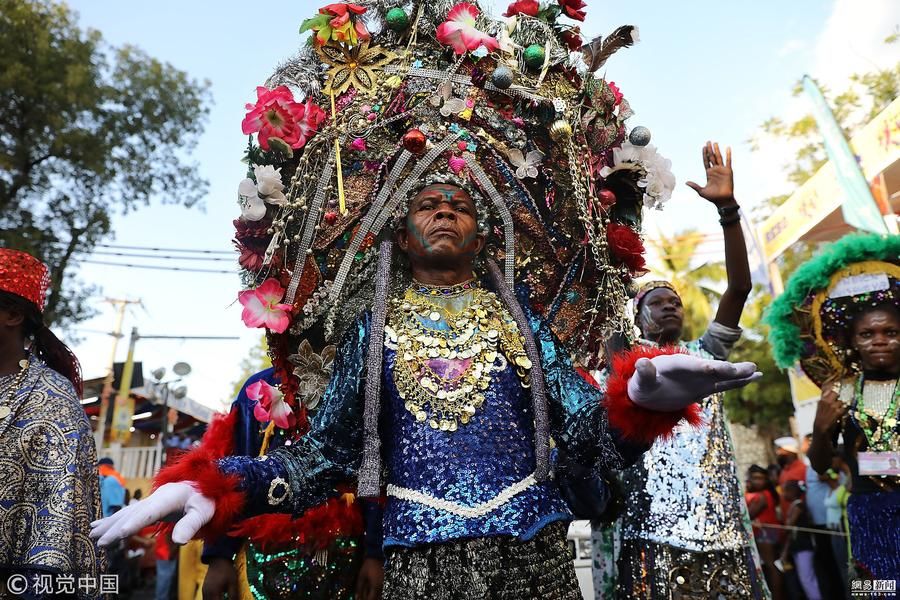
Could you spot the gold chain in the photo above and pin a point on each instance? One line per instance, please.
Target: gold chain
(481, 332)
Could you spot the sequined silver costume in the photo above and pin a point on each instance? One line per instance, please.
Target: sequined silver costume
(685, 532)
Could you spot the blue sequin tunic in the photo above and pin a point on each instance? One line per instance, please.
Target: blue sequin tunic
(458, 472)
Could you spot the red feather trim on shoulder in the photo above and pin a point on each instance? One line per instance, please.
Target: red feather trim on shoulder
(636, 423)
(315, 529)
(199, 468)
(218, 441)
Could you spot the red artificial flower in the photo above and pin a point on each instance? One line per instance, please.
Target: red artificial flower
(572, 39)
(251, 259)
(574, 8)
(277, 115)
(340, 9)
(626, 245)
(615, 90)
(523, 7)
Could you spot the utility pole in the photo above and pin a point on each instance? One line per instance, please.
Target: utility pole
(106, 393)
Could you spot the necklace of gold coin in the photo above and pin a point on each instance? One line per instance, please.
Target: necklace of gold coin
(5, 407)
(482, 331)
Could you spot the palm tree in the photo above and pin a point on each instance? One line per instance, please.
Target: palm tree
(676, 261)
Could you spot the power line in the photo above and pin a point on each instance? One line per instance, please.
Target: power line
(156, 249)
(162, 256)
(159, 267)
(112, 247)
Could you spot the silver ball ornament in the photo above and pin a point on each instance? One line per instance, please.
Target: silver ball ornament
(639, 136)
(502, 77)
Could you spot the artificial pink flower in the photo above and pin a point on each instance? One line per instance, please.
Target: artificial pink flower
(312, 118)
(523, 7)
(574, 9)
(277, 115)
(459, 31)
(262, 308)
(270, 405)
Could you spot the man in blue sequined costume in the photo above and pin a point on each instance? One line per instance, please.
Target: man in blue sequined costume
(460, 415)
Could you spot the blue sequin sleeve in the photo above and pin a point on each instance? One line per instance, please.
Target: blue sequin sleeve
(292, 479)
(578, 421)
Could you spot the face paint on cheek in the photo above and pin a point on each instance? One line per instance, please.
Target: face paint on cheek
(650, 325)
(412, 230)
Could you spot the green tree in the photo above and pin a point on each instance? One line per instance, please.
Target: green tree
(255, 361)
(765, 404)
(87, 132)
(677, 264)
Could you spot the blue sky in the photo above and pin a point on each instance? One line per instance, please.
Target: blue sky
(703, 70)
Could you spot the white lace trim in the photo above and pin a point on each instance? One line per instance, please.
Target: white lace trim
(469, 512)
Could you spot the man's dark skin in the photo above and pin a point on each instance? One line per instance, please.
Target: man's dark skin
(12, 341)
(661, 317)
(440, 235)
(876, 339)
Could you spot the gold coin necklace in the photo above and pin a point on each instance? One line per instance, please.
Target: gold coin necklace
(449, 341)
(5, 408)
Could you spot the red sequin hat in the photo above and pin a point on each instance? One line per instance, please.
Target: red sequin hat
(24, 275)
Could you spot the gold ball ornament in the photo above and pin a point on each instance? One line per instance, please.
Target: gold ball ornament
(561, 130)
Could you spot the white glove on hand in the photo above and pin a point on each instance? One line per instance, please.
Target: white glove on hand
(672, 382)
(170, 498)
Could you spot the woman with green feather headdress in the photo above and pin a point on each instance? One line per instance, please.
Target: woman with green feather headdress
(839, 317)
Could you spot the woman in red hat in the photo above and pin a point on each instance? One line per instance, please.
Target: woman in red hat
(48, 492)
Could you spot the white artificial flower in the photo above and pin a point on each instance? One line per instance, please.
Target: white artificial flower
(656, 177)
(267, 189)
(269, 186)
(635, 35)
(577, 62)
(252, 206)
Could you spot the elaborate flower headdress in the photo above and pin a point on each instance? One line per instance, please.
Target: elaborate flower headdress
(810, 321)
(389, 95)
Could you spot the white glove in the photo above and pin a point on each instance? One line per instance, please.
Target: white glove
(672, 382)
(170, 498)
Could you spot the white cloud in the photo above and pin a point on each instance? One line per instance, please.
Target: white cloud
(853, 40)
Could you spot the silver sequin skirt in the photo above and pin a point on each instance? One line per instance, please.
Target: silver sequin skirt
(492, 568)
(649, 571)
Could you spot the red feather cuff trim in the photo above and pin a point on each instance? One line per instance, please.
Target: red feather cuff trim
(316, 529)
(199, 467)
(636, 423)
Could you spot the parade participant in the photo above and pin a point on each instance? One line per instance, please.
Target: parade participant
(49, 491)
(459, 148)
(684, 526)
(839, 317)
(762, 505)
(496, 528)
(112, 487)
(321, 555)
(797, 552)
